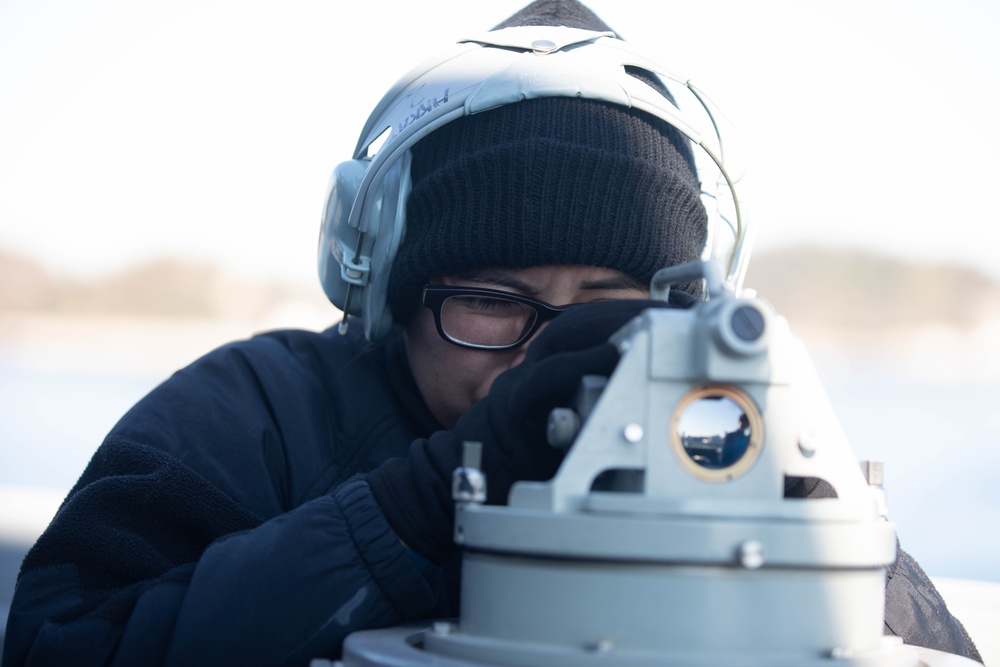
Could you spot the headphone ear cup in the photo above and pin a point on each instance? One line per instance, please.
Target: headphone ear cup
(338, 240)
(390, 230)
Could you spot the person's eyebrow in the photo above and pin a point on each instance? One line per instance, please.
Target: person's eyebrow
(502, 279)
(622, 282)
(499, 279)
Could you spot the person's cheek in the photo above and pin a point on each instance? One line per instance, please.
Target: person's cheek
(498, 362)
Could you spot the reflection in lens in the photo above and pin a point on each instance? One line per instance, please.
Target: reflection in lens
(714, 431)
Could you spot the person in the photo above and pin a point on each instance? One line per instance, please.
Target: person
(284, 491)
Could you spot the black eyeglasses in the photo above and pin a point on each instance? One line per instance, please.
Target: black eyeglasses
(486, 319)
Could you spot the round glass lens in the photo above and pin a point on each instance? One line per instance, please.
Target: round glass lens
(714, 431)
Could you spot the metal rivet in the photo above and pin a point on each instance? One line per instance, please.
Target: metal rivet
(633, 433)
(543, 46)
(750, 554)
(807, 444)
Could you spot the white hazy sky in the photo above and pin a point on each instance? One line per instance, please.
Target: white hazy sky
(207, 128)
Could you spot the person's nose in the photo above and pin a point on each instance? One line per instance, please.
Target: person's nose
(523, 350)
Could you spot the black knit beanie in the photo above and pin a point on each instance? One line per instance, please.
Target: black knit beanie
(549, 181)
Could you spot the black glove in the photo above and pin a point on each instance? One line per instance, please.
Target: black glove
(415, 492)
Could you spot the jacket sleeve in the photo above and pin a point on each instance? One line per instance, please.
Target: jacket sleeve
(205, 542)
(916, 612)
(914, 609)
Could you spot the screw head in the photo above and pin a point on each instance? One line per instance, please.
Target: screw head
(807, 444)
(543, 46)
(750, 554)
(632, 433)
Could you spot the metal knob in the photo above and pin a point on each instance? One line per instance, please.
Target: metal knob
(468, 484)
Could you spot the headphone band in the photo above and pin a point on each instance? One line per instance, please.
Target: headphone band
(364, 219)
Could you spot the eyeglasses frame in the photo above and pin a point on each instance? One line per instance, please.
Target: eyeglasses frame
(434, 296)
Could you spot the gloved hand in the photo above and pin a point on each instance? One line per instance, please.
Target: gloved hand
(415, 492)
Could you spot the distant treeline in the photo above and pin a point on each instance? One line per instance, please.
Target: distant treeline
(160, 288)
(831, 289)
(854, 289)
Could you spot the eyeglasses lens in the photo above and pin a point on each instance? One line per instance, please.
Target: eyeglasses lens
(486, 321)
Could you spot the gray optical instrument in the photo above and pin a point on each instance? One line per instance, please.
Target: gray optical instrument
(666, 538)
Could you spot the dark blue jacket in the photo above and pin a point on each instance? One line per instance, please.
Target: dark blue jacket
(218, 522)
(221, 521)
